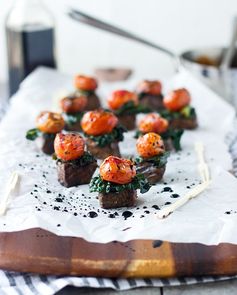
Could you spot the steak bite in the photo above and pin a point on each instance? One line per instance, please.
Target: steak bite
(48, 124)
(46, 143)
(150, 95)
(117, 183)
(152, 157)
(178, 110)
(74, 165)
(73, 107)
(86, 86)
(103, 133)
(150, 171)
(102, 152)
(128, 121)
(74, 173)
(153, 122)
(124, 104)
(184, 123)
(127, 198)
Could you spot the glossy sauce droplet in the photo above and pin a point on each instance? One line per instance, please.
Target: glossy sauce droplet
(127, 214)
(92, 214)
(167, 189)
(175, 196)
(156, 207)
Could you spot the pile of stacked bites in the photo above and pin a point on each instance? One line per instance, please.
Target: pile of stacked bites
(158, 132)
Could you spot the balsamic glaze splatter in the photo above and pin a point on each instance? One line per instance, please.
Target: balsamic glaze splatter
(59, 200)
(157, 243)
(155, 207)
(92, 214)
(175, 196)
(127, 214)
(167, 189)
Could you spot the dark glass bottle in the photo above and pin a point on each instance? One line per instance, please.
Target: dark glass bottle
(30, 40)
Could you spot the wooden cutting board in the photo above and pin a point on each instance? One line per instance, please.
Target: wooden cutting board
(39, 251)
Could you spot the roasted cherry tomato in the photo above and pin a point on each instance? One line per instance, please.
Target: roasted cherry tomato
(69, 146)
(150, 145)
(177, 99)
(153, 123)
(119, 97)
(98, 122)
(49, 122)
(73, 104)
(85, 83)
(149, 87)
(117, 170)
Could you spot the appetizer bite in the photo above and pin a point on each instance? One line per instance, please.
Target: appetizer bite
(178, 110)
(73, 107)
(153, 122)
(152, 157)
(150, 94)
(75, 166)
(48, 124)
(117, 183)
(125, 106)
(86, 86)
(103, 133)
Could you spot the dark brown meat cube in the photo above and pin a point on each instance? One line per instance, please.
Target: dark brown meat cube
(102, 152)
(154, 102)
(70, 174)
(74, 127)
(152, 173)
(93, 102)
(168, 144)
(46, 143)
(184, 123)
(128, 121)
(126, 198)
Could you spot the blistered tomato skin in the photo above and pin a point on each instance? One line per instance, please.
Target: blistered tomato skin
(149, 87)
(72, 105)
(153, 123)
(119, 97)
(85, 83)
(150, 145)
(177, 99)
(98, 122)
(117, 170)
(69, 146)
(49, 122)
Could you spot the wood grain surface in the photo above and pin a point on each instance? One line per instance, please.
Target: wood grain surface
(39, 251)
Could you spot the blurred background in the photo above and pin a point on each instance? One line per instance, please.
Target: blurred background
(177, 25)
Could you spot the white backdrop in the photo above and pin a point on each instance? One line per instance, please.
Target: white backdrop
(179, 25)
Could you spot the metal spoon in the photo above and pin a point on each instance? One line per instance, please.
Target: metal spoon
(229, 53)
(94, 22)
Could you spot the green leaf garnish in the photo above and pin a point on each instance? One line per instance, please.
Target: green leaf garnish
(72, 119)
(187, 112)
(175, 136)
(84, 160)
(138, 133)
(84, 92)
(131, 108)
(32, 134)
(106, 139)
(99, 185)
(158, 161)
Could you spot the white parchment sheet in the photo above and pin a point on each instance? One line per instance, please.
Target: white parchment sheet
(40, 201)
